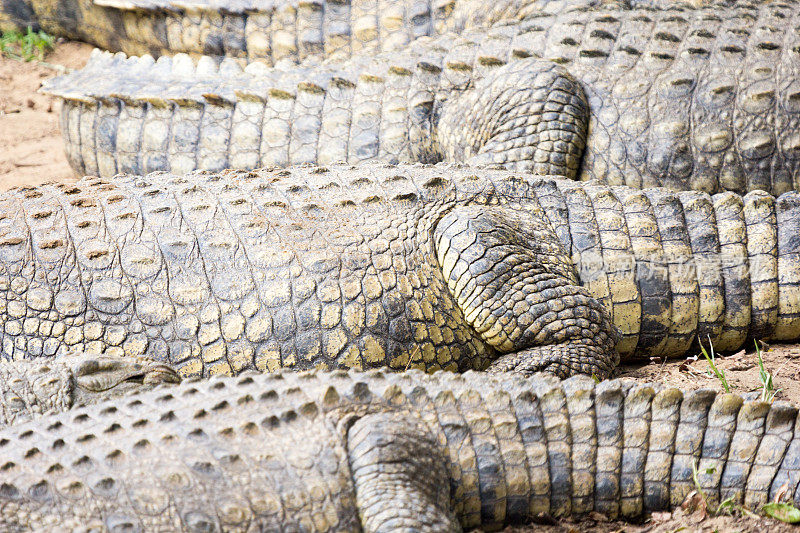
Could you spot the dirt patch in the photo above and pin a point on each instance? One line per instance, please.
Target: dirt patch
(664, 523)
(31, 150)
(741, 372)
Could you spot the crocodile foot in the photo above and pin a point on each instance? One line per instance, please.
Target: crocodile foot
(563, 360)
(100, 374)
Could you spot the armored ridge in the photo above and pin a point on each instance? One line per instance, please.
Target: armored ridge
(33, 388)
(410, 266)
(256, 30)
(373, 452)
(698, 99)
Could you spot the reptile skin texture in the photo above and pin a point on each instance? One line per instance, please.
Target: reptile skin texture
(267, 31)
(430, 267)
(385, 452)
(688, 98)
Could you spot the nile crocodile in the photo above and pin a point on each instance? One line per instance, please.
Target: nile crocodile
(267, 31)
(398, 452)
(410, 266)
(32, 388)
(703, 99)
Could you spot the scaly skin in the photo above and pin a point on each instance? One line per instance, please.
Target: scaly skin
(373, 452)
(700, 99)
(410, 266)
(260, 31)
(364, 109)
(32, 388)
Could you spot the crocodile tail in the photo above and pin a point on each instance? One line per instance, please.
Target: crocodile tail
(134, 30)
(652, 447)
(236, 29)
(522, 448)
(117, 112)
(252, 31)
(183, 115)
(676, 269)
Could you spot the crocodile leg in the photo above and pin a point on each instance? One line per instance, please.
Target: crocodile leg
(530, 115)
(400, 475)
(100, 374)
(517, 291)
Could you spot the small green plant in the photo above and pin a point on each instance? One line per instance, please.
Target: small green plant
(785, 512)
(727, 505)
(696, 481)
(768, 390)
(712, 363)
(26, 46)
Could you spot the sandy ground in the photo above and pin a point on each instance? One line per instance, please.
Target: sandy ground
(31, 153)
(31, 150)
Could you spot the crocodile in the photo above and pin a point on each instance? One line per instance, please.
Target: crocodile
(391, 452)
(429, 267)
(269, 31)
(33, 388)
(702, 99)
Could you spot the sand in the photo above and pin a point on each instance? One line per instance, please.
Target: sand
(31, 150)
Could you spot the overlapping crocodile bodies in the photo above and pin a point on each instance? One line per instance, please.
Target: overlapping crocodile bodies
(220, 287)
(374, 452)
(700, 99)
(395, 266)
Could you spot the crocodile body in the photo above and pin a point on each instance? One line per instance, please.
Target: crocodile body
(267, 31)
(33, 388)
(701, 99)
(409, 266)
(372, 452)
